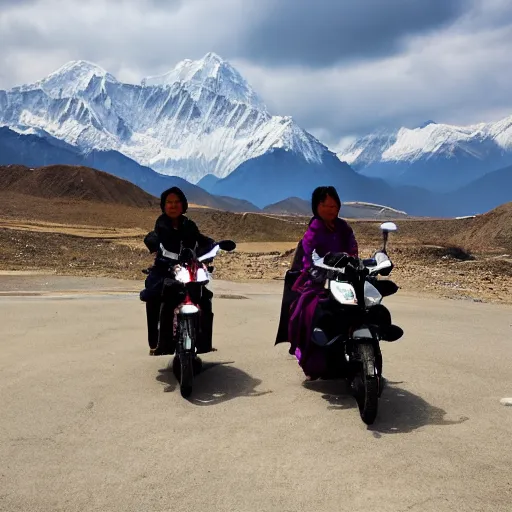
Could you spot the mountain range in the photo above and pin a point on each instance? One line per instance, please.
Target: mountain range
(203, 123)
(438, 157)
(200, 118)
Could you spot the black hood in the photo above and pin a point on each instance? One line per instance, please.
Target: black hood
(179, 193)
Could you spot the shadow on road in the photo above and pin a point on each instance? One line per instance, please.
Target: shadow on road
(400, 411)
(218, 382)
(334, 391)
(165, 376)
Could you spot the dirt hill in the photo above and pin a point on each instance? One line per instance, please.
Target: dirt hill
(493, 229)
(249, 227)
(78, 182)
(290, 206)
(73, 182)
(487, 233)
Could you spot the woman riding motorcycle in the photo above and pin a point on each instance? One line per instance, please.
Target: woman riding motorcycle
(326, 233)
(173, 232)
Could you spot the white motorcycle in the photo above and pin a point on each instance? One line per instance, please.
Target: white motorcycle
(353, 321)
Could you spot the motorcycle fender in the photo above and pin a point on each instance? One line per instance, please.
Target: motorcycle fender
(188, 343)
(362, 334)
(354, 352)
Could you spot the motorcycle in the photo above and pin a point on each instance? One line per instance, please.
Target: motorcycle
(190, 277)
(352, 321)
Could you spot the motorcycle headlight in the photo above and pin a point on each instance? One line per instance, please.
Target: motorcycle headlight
(182, 275)
(372, 297)
(202, 275)
(344, 293)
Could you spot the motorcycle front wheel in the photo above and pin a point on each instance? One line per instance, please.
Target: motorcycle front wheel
(365, 385)
(187, 374)
(186, 356)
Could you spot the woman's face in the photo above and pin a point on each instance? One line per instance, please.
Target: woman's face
(328, 209)
(173, 206)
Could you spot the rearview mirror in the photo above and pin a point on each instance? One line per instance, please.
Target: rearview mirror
(227, 245)
(386, 228)
(389, 226)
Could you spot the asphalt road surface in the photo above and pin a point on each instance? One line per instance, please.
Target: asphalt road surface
(89, 422)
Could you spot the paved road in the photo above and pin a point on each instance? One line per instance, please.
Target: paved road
(90, 422)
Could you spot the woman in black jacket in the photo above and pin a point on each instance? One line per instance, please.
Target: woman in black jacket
(173, 232)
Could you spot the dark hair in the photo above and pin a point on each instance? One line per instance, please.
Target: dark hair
(320, 195)
(179, 193)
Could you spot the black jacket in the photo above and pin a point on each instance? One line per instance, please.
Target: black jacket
(173, 240)
(187, 235)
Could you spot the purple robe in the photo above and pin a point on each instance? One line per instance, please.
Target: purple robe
(322, 239)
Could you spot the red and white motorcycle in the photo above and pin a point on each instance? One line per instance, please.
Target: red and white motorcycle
(194, 272)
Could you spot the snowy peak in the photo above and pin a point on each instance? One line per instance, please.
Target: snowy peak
(366, 150)
(501, 132)
(439, 157)
(71, 79)
(77, 69)
(209, 74)
(201, 118)
(187, 70)
(430, 139)
(293, 137)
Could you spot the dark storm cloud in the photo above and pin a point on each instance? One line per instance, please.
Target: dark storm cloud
(323, 32)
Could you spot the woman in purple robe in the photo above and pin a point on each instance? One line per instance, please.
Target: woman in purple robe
(326, 233)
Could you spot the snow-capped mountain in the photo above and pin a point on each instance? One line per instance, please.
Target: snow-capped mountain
(435, 156)
(200, 118)
(203, 122)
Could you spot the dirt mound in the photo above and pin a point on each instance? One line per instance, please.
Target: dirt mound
(15, 207)
(491, 230)
(248, 227)
(442, 232)
(232, 204)
(290, 206)
(73, 182)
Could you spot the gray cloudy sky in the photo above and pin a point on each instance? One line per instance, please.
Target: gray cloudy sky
(339, 67)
